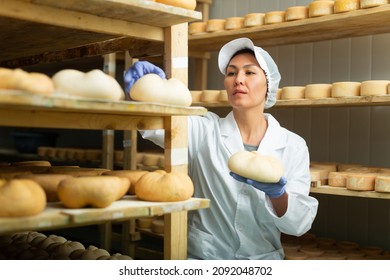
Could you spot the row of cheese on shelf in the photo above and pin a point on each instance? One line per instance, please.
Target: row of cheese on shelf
(153, 224)
(312, 247)
(336, 90)
(33, 245)
(26, 187)
(351, 176)
(314, 9)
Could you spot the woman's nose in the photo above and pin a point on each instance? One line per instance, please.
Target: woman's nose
(239, 80)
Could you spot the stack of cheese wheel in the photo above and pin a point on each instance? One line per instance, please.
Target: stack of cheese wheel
(326, 168)
(215, 25)
(342, 6)
(316, 91)
(296, 13)
(274, 17)
(232, 23)
(345, 89)
(374, 87)
(292, 92)
(210, 96)
(372, 3)
(254, 19)
(198, 27)
(320, 8)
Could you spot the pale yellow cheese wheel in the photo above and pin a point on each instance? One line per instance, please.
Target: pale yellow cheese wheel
(345, 89)
(342, 6)
(296, 13)
(254, 19)
(337, 179)
(382, 183)
(320, 8)
(361, 181)
(198, 27)
(372, 3)
(319, 173)
(274, 17)
(210, 96)
(315, 175)
(317, 91)
(234, 23)
(292, 92)
(215, 25)
(196, 95)
(223, 96)
(345, 166)
(374, 87)
(279, 94)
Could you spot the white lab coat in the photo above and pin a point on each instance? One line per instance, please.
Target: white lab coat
(241, 222)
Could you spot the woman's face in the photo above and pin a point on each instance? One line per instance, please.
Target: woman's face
(245, 82)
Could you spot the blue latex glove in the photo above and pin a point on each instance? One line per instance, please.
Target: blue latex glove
(139, 69)
(273, 190)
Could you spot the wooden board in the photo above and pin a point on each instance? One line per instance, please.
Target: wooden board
(345, 192)
(351, 24)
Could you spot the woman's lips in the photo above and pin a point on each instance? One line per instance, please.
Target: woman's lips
(238, 92)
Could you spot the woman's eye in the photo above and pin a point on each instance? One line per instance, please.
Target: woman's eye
(250, 72)
(229, 74)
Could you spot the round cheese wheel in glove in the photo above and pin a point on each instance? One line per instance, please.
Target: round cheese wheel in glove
(161, 186)
(253, 165)
(151, 88)
(93, 84)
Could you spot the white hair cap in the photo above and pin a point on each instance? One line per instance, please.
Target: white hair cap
(263, 58)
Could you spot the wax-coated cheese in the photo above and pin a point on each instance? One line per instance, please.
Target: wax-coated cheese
(342, 6)
(316, 91)
(293, 92)
(372, 3)
(320, 8)
(345, 89)
(274, 17)
(234, 23)
(374, 87)
(215, 25)
(254, 19)
(296, 13)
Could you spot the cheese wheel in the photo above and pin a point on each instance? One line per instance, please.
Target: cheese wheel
(312, 251)
(210, 96)
(92, 84)
(279, 94)
(215, 25)
(274, 17)
(234, 23)
(292, 92)
(198, 27)
(330, 166)
(185, 4)
(254, 19)
(372, 3)
(342, 6)
(374, 87)
(196, 95)
(253, 165)
(157, 226)
(93, 154)
(317, 91)
(345, 89)
(347, 245)
(388, 89)
(132, 175)
(337, 179)
(361, 181)
(151, 88)
(296, 13)
(291, 255)
(345, 166)
(223, 96)
(382, 183)
(320, 8)
(315, 175)
(145, 222)
(150, 159)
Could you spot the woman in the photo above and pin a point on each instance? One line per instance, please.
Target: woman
(245, 218)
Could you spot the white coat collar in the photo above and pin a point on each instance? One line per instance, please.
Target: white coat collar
(274, 137)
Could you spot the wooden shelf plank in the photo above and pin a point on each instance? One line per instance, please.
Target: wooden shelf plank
(351, 24)
(345, 192)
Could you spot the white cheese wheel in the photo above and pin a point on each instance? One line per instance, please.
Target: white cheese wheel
(234, 23)
(274, 17)
(342, 6)
(296, 13)
(198, 27)
(196, 95)
(316, 91)
(372, 3)
(223, 96)
(293, 92)
(151, 88)
(320, 8)
(92, 84)
(345, 89)
(361, 181)
(374, 87)
(253, 165)
(210, 96)
(254, 19)
(382, 183)
(215, 25)
(337, 179)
